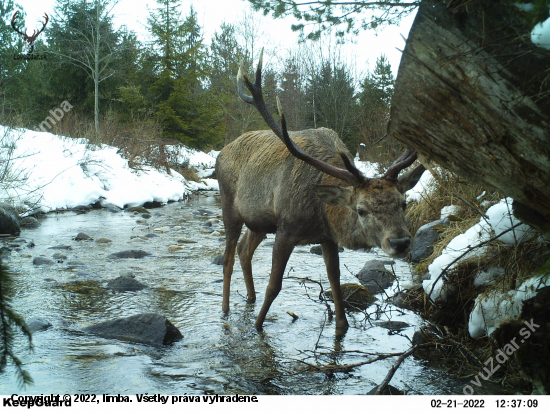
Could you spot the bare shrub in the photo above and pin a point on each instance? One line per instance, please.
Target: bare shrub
(139, 140)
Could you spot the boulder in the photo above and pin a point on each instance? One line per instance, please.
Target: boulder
(36, 324)
(9, 220)
(129, 254)
(375, 277)
(30, 222)
(218, 260)
(82, 236)
(41, 261)
(125, 284)
(147, 328)
(356, 297)
(425, 238)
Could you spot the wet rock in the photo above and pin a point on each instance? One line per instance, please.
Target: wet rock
(203, 212)
(146, 216)
(375, 277)
(30, 222)
(148, 328)
(113, 209)
(412, 299)
(392, 325)
(186, 240)
(36, 324)
(59, 256)
(356, 297)
(206, 230)
(82, 236)
(163, 229)
(425, 238)
(208, 223)
(129, 254)
(152, 205)
(138, 209)
(218, 260)
(125, 284)
(61, 247)
(388, 390)
(9, 220)
(151, 235)
(42, 261)
(75, 263)
(82, 209)
(141, 221)
(175, 248)
(103, 240)
(86, 275)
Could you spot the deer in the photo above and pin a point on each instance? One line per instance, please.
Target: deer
(304, 187)
(29, 40)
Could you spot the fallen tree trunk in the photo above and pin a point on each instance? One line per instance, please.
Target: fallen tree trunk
(473, 94)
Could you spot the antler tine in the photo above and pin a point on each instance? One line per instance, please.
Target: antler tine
(406, 159)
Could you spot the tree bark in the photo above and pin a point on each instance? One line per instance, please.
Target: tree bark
(473, 94)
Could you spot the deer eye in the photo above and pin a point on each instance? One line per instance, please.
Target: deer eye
(362, 212)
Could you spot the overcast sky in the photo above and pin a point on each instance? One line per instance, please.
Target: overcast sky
(211, 13)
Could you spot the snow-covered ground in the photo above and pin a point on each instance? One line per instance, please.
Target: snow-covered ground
(51, 172)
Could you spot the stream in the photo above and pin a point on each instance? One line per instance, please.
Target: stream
(218, 354)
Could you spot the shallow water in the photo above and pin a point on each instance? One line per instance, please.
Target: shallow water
(218, 354)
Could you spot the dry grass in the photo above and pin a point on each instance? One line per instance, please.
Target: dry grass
(139, 140)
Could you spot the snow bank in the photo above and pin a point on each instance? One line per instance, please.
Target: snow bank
(62, 173)
(496, 308)
(540, 35)
(435, 287)
(499, 220)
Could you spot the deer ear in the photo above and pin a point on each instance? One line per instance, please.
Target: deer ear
(409, 180)
(333, 195)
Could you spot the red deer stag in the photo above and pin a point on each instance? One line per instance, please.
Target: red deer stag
(309, 194)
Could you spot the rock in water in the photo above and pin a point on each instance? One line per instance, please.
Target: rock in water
(425, 238)
(38, 324)
(388, 390)
(40, 261)
(9, 220)
(218, 260)
(375, 277)
(82, 236)
(125, 284)
(129, 254)
(30, 222)
(147, 328)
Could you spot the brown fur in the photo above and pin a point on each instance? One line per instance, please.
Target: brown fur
(264, 187)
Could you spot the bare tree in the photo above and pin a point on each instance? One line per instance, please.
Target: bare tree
(89, 42)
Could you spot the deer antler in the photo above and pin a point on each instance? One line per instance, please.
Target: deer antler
(405, 160)
(352, 177)
(13, 23)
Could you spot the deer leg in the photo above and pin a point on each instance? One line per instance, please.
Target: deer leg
(332, 262)
(232, 233)
(248, 244)
(282, 250)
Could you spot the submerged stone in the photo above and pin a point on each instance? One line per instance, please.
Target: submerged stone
(147, 328)
(129, 254)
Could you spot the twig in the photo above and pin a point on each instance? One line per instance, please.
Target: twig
(394, 368)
